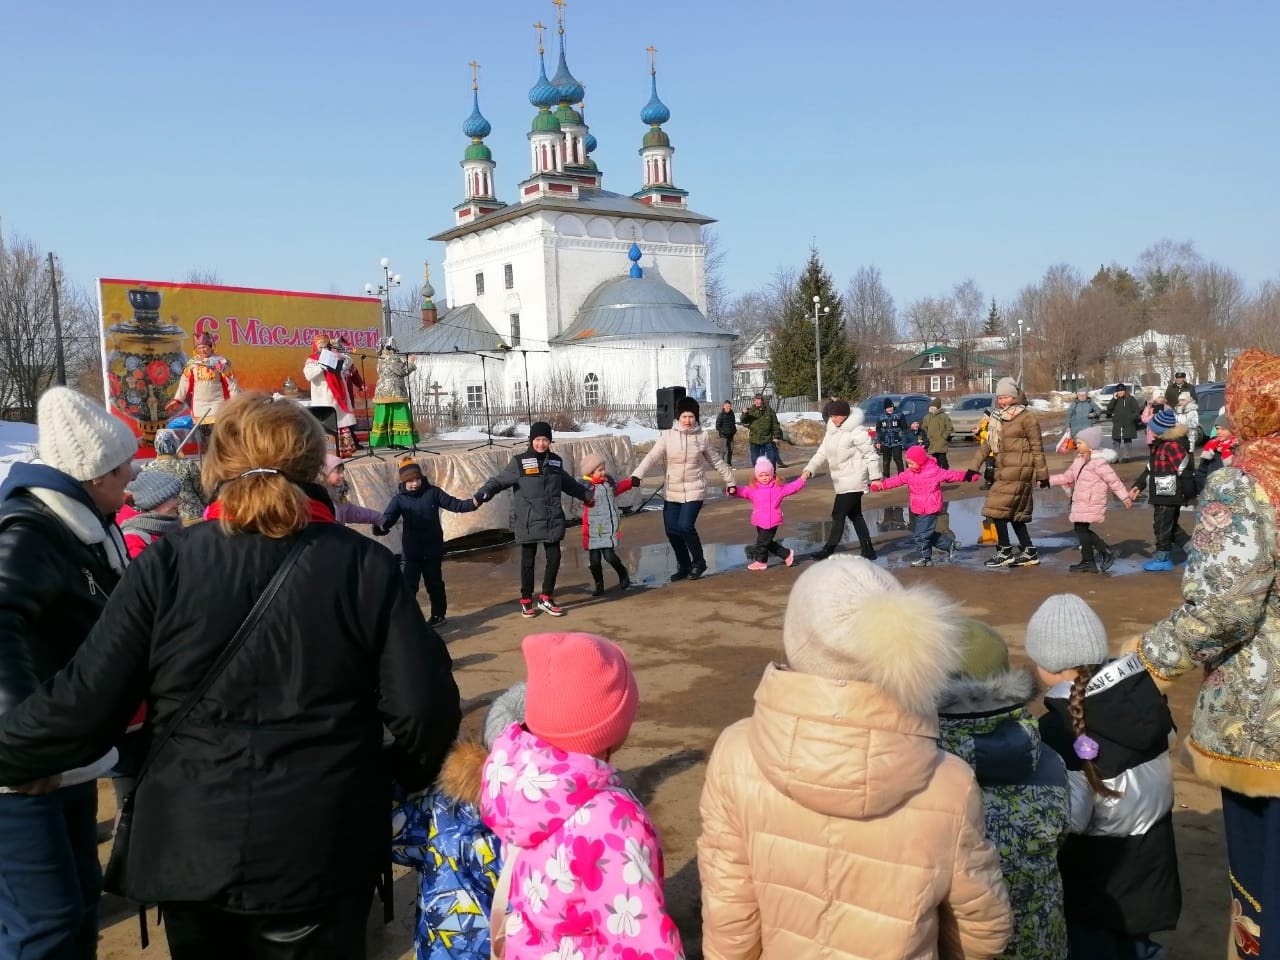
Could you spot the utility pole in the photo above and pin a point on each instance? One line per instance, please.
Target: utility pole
(61, 358)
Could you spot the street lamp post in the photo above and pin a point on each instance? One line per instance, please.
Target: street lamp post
(389, 280)
(1020, 368)
(817, 340)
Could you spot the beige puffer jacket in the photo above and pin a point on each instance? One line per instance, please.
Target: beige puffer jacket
(686, 454)
(833, 826)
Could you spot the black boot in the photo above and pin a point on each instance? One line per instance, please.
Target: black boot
(826, 551)
(599, 590)
(868, 550)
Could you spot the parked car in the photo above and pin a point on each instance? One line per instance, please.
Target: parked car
(967, 412)
(912, 406)
(1210, 398)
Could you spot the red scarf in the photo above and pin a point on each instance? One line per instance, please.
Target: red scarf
(319, 512)
(336, 386)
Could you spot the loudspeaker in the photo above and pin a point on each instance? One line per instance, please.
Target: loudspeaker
(328, 417)
(668, 397)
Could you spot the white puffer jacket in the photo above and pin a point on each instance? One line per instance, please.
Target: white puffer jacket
(850, 455)
(686, 455)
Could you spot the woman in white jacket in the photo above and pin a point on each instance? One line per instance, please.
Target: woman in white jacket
(850, 455)
(685, 451)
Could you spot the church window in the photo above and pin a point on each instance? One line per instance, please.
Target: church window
(480, 284)
(591, 389)
(508, 276)
(475, 397)
(515, 329)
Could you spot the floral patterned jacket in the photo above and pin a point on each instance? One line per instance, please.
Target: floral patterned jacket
(1229, 624)
(587, 884)
(985, 722)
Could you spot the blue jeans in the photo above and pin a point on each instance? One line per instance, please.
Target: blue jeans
(767, 450)
(927, 536)
(49, 877)
(678, 519)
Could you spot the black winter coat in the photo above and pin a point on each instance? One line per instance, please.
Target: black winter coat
(538, 480)
(726, 423)
(271, 796)
(53, 588)
(1124, 413)
(423, 536)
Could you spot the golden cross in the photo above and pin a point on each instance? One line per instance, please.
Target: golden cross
(475, 74)
(560, 5)
(653, 58)
(426, 269)
(540, 26)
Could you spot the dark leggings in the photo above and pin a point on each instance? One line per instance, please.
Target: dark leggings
(606, 554)
(1019, 530)
(890, 454)
(847, 506)
(766, 543)
(528, 553)
(1168, 531)
(1089, 541)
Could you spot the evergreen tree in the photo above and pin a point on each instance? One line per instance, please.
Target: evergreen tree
(792, 358)
(994, 327)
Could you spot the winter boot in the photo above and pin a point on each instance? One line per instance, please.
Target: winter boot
(599, 590)
(624, 579)
(1001, 558)
(1027, 557)
(922, 562)
(1084, 566)
(1160, 563)
(826, 551)
(868, 550)
(1106, 559)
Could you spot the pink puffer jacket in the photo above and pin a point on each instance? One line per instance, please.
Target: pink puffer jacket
(766, 501)
(925, 485)
(1088, 482)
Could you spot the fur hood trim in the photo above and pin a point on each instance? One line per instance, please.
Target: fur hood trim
(1178, 431)
(961, 695)
(1106, 454)
(461, 777)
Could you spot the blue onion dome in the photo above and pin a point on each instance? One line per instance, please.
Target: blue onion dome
(477, 151)
(569, 89)
(543, 94)
(655, 112)
(634, 256)
(656, 137)
(589, 142)
(544, 121)
(476, 126)
(634, 253)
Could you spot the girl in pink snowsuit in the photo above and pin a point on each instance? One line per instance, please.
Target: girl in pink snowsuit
(1089, 479)
(582, 859)
(766, 496)
(924, 479)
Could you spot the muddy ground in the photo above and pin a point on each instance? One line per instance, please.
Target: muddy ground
(699, 649)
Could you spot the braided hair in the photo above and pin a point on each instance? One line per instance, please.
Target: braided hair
(1075, 708)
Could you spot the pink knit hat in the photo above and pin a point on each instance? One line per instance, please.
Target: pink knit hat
(581, 694)
(917, 454)
(764, 465)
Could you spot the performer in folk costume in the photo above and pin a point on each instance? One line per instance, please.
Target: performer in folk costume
(392, 416)
(205, 385)
(327, 372)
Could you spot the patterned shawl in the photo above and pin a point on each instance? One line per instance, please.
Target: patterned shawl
(1253, 406)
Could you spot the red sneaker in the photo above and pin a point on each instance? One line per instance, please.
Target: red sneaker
(549, 605)
(527, 609)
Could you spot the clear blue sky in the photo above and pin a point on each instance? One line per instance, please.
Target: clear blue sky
(291, 145)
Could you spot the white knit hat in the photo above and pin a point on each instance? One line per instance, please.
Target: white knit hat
(1065, 633)
(79, 437)
(848, 619)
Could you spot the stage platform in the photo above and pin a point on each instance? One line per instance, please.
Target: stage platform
(461, 472)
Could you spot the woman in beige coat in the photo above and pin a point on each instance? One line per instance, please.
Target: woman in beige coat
(685, 451)
(832, 823)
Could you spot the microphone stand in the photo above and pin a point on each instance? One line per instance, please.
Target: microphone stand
(408, 390)
(484, 379)
(368, 450)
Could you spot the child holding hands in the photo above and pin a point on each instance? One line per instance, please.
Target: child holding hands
(601, 522)
(1088, 480)
(924, 479)
(766, 496)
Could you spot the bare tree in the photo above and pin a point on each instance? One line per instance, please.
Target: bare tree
(28, 337)
(717, 288)
(870, 321)
(1214, 327)
(930, 319)
(1261, 322)
(967, 321)
(201, 275)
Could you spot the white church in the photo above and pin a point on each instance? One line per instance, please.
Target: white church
(570, 283)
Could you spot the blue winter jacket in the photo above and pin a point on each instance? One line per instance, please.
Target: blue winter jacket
(423, 536)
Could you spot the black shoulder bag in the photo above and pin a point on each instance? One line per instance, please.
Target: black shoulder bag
(113, 877)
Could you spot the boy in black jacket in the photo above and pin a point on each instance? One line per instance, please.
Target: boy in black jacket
(422, 542)
(726, 427)
(1170, 482)
(539, 478)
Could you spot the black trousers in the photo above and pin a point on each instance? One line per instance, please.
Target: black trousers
(942, 460)
(607, 554)
(197, 931)
(847, 506)
(766, 544)
(1089, 542)
(887, 454)
(429, 569)
(529, 553)
(1019, 530)
(728, 449)
(1167, 529)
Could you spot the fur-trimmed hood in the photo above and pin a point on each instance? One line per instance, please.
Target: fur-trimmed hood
(973, 695)
(462, 774)
(1178, 431)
